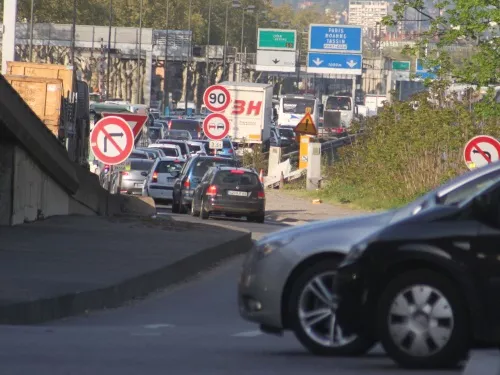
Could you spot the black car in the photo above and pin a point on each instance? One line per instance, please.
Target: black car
(192, 126)
(427, 286)
(190, 177)
(231, 191)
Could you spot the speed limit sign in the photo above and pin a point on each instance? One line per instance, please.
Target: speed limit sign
(216, 98)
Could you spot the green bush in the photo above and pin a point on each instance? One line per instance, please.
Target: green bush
(404, 152)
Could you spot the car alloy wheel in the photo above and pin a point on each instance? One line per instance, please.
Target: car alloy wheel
(423, 321)
(312, 308)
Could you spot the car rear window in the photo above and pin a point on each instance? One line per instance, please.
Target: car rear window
(202, 166)
(184, 125)
(194, 148)
(170, 151)
(169, 166)
(226, 144)
(241, 179)
(138, 155)
(141, 165)
(182, 146)
(154, 133)
(178, 134)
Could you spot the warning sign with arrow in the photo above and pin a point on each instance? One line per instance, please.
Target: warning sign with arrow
(306, 126)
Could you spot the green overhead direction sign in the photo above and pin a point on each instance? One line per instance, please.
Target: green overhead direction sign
(401, 66)
(276, 39)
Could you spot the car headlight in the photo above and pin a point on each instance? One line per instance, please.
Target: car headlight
(266, 248)
(356, 252)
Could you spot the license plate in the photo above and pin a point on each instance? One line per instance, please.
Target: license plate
(237, 193)
(137, 185)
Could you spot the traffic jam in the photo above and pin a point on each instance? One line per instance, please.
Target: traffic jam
(421, 280)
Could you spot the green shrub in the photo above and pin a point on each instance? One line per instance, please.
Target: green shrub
(405, 152)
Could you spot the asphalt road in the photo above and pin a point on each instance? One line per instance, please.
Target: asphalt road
(191, 328)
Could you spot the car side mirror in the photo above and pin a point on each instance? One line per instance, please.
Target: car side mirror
(145, 174)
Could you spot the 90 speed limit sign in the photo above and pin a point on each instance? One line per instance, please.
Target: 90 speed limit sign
(216, 98)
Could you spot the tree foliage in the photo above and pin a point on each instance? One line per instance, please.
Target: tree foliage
(472, 22)
(126, 13)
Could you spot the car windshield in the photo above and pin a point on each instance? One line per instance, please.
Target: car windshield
(169, 166)
(240, 179)
(202, 166)
(298, 105)
(467, 190)
(154, 133)
(140, 165)
(288, 133)
(338, 103)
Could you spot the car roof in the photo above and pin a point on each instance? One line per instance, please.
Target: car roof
(170, 158)
(139, 151)
(140, 160)
(166, 141)
(163, 145)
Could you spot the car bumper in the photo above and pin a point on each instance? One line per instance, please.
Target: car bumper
(160, 192)
(350, 291)
(260, 288)
(235, 207)
(131, 187)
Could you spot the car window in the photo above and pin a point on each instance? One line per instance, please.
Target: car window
(241, 179)
(169, 166)
(202, 166)
(467, 190)
(226, 144)
(208, 175)
(170, 151)
(184, 125)
(182, 146)
(140, 165)
(138, 155)
(194, 148)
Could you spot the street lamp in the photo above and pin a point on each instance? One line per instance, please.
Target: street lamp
(139, 46)
(235, 4)
(109, 48)
(249, 9)
(188, 56)
(208, 41)
(166, 99)
(31, 30)
(73, 35)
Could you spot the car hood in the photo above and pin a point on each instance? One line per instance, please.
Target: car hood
(332, 234)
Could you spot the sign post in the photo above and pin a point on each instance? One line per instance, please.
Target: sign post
(481, 151)
(111, 142)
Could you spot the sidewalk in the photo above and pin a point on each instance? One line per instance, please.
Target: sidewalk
(289, 209)
(70, 264)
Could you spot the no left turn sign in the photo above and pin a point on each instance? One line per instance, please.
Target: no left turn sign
(112, 140)
(216, 98)
(481, 151)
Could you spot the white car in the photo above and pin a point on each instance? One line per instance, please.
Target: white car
(168, 149)
(197, 148)
(159, 184)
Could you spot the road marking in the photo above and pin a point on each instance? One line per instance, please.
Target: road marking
(146, 334)
(157, 326)
(248, 334)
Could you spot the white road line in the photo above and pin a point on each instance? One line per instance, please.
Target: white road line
(145, 334)
(247, 334)
(157, 326)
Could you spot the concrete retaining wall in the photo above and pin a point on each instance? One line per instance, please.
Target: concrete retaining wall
(37, 195)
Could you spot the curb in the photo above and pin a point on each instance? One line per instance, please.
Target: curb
(43, 310)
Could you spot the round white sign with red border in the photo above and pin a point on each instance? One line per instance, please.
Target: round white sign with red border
(112, 140)
(481, 151)
(216, 98)
(216, 126)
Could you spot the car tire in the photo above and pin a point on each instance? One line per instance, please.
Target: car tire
(453, 312)
(193, 211)
(354, 345)
(182, 207)
(203, 213)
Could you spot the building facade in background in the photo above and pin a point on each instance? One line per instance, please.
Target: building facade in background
(367, 13)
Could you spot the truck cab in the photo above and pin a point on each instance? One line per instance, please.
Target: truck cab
(293, 108)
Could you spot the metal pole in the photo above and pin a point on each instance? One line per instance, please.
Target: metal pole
(188, 57)
(241, 45)
(208, 41)
(225, 41)
(109, 48)
(31, 30)
(73, 35)
(166, 99)
(139, 47)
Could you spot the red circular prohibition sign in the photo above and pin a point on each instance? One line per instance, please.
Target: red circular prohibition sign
(206, 127)
(123, 152)
(473, 144)
(206, 98)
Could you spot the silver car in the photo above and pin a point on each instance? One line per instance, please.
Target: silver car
(133, 177)
(287, 278)
(159, 184)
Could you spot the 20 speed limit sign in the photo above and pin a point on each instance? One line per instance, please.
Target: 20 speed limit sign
(216, 98)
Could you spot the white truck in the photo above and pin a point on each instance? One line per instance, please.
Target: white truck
(250, 112)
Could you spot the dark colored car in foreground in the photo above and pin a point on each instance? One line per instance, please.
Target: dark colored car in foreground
(190, 177)
(287, 277)
(234, 192)
(427, 287)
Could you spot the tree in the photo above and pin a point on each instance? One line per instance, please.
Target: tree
(457, 21)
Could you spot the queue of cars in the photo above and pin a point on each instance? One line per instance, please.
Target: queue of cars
(423, 280)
